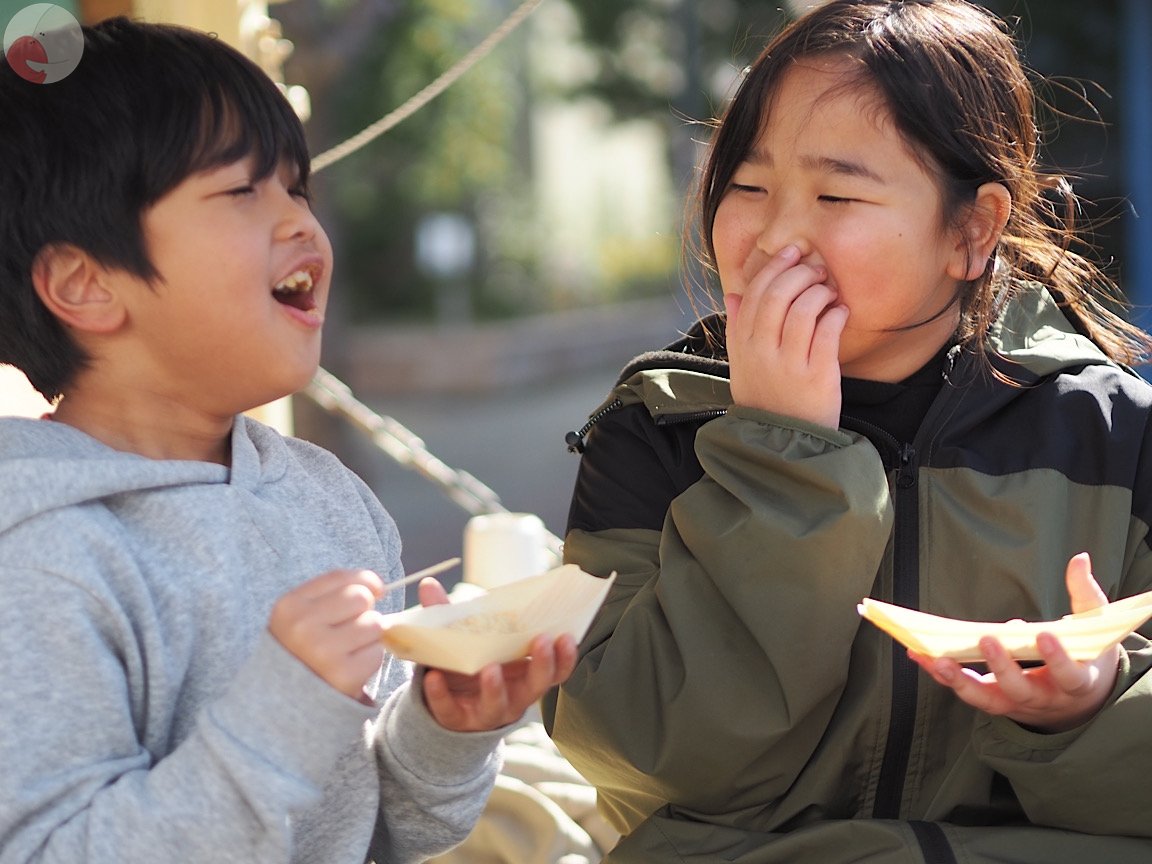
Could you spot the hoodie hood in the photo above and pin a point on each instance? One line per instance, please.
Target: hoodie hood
(46, 466)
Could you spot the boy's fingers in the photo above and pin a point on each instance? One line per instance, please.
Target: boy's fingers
(334, 580)
(493, 697)
(541, 669)
(342, 605)
(431, 592)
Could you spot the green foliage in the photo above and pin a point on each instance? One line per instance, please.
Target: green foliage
(446, 157)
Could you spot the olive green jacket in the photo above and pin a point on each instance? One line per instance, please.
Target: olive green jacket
(731, 705)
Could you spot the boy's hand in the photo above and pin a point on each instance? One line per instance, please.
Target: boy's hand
(498, 694)
(330, 623)
(1059, 695)
(783, 337)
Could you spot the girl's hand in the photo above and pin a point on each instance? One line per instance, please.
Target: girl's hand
(498, 694)
(1062, 694)
(783, 336)
(332, 627)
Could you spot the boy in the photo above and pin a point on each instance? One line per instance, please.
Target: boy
(178, 683)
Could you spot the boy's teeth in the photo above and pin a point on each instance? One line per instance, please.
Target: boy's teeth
(301, 280)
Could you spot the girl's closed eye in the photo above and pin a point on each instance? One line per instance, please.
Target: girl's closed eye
(835, 199)
(745, 188)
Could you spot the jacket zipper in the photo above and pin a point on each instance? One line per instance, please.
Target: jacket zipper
(695, 416)
(575, 440)
(934, 845)
(905, 675)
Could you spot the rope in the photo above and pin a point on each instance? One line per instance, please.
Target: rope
(430, 92)
(407, 449)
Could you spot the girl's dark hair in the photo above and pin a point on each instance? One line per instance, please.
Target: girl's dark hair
(82, 160)
(951, 76)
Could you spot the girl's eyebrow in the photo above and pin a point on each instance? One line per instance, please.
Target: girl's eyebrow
(824, 164)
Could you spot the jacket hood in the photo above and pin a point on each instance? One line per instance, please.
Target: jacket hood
(1035, 333)
(46, 466)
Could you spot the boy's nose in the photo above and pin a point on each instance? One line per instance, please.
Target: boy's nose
(297, 220)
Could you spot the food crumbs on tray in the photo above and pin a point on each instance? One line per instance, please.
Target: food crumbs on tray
(487, 622)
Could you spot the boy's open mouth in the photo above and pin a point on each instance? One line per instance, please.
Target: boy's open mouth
(296, 290)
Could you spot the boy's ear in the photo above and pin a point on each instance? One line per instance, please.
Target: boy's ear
(984, 223)
(76, 289)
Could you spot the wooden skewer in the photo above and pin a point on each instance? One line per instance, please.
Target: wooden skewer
(420, 574)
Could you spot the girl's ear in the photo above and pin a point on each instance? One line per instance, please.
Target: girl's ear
(984, 223)
(77, 289)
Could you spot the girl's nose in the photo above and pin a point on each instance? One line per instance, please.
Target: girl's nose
(782, 226)
(781, 233)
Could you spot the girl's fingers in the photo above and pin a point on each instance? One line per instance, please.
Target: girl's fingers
(768, 306)
(1067, 675)
(769, 292)
(826, 339)
(802, 319)
(1010, 678)
(1084, 591)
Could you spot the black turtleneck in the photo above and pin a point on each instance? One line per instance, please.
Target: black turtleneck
(897, 408)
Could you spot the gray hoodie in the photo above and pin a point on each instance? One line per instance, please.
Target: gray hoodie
(145, 713)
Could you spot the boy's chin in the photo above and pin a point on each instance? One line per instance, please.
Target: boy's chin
(288, 385)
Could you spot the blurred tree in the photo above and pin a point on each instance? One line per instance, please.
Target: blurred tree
(462, 154)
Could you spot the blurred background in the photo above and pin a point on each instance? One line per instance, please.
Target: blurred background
(504, 250)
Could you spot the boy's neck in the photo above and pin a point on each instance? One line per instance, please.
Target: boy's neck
(155, 428)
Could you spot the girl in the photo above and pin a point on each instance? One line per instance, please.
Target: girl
(917, 393)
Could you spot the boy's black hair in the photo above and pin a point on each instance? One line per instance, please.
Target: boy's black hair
(82, 160)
